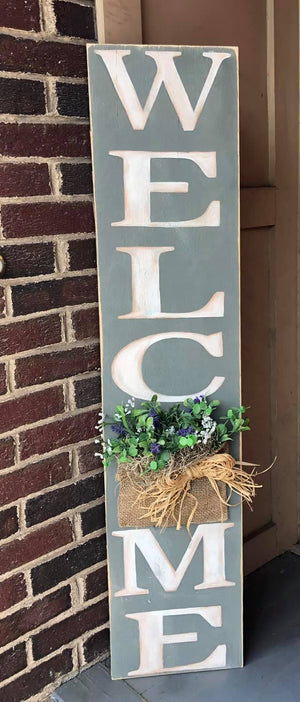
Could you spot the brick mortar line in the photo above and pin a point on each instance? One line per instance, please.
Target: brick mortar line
(49, 420)
(46, 313)
(48, 384)
(56, 180)
(51, 96)
(55, 348)
(45, 36)
(51, 454)
(54, 119)
(80, 509)
(29, 651)
(13, 282)
(54, 199)
(20, 75)
(44, 159)
(58, 347)
(51, 239)
(45, 558)
(45, 239)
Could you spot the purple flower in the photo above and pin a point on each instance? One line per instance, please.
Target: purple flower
(119, 429)
(185, 432)
(198, 399)
(155, 448)
(154, 415)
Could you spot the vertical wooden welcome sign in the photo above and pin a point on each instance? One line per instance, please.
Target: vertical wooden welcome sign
(165, 157)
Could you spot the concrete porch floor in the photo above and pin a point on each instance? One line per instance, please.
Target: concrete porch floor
(272, 654)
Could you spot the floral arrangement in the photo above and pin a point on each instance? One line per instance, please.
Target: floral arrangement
(173, 464)
(154, 433)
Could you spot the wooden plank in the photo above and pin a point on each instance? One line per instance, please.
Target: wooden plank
(175, 601)
(258, 207)
(119, 21)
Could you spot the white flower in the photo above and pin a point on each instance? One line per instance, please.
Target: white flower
(99, 454)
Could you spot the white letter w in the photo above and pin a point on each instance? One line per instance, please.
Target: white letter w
(166, 73)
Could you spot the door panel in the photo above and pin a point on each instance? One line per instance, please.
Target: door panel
(239, 23)
(267, 34)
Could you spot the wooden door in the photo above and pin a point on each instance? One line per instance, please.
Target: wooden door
(266, 32)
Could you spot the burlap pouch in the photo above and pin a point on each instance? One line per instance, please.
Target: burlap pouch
(209, 508)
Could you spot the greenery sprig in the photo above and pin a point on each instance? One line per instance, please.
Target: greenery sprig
(150, 430)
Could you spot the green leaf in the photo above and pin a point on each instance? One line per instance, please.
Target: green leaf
(132, 451)
(165, 456)
(182, 441)
(196, 409)
(153, 465)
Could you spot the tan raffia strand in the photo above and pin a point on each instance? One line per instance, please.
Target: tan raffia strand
(163, 495)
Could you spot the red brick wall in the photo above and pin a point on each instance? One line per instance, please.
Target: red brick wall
(53, 588)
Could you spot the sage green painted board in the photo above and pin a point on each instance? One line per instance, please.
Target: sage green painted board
(205, 260)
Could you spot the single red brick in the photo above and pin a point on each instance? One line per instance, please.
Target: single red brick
(3, 384)
(93, 519)
(76, 178)
(88, 391)
(34, 477)
(33, 682)
(69, 629)
(12, 661)
(96, 583)
(96, 645)
(26, 549)
(28, 618)
(30, 408)
(22, 97)
(44, 140)
(56, 502)
(9, 523)
(54, 58)
(74, 20)
(28, 260)
(21, 179)
(86, 323)
(47, 219)
(56, 434)
(87, 459)
(82, 253)
(36, 297)
(49, 574)
(12, 590)
(30, 334)
(44, 367)
(72, 99)
(7, 452)
(20, 14)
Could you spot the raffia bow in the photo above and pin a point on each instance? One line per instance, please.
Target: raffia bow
(163, 498)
